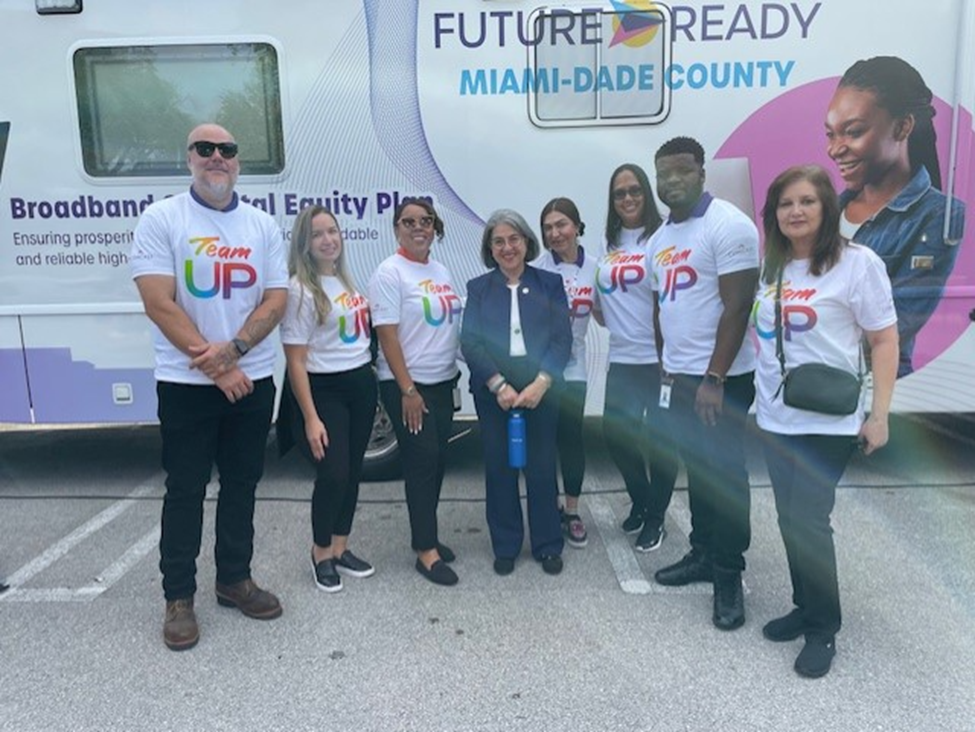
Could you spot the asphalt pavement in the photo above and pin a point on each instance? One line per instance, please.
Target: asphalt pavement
(600, 647)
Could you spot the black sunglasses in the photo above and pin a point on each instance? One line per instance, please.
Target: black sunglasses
(204, 149)
(633, 192)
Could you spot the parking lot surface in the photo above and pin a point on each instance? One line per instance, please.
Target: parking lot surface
(600, 647)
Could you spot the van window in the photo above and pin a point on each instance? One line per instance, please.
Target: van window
(597, 67)
(136, 105)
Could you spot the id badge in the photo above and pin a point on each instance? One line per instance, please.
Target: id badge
(666, 387)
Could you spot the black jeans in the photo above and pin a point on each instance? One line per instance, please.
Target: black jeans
(423, 455)
(804, 470)
(569, 439)
(717, 478)
(346, 403)
(200, 428)
(638, 436)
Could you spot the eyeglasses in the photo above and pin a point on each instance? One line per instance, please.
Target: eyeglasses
(228, 150)
(513, 240)
(424, 222)
(633, 192)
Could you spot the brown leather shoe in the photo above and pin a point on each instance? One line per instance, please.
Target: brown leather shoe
(180, 630)
(249, 599)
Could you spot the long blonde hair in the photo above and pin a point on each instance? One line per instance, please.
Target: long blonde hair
(302, 266)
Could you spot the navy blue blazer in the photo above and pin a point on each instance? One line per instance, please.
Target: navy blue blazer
(545, 322)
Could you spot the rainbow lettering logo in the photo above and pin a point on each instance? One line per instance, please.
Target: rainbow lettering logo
(354, 322)
(635, 23)
(440, 303)
(796, 317)
(625, 271)
(679, 275)
(227, 275)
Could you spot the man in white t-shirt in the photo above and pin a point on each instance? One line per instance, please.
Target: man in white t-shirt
(212, 275)
(704, 264)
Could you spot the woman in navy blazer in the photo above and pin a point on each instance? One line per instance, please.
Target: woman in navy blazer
(516, 338)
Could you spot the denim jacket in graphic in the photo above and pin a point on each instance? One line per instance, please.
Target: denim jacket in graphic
(908, 235)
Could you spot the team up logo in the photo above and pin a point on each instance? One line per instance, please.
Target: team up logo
(440, 303)
(679, 275)
(580, 300)
(227, 273)
(635, 23)
(624, 271)
(797, 317)
(354, 322)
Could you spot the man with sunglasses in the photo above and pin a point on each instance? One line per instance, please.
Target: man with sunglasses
(213, 277)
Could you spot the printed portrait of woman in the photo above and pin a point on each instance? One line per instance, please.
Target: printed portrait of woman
(881, 136)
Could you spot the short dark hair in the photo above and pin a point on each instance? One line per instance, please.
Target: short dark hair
(563, 206)
(829, 244)
(651, 220)
(517, 222)
(678, 145)
(426, 206)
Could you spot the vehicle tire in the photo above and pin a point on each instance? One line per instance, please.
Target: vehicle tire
(382, 454)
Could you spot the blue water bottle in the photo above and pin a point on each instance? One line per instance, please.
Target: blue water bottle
(517, 447)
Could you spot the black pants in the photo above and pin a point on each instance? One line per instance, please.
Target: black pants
(569, 439)
(804, 470)
(717, 478)
(638, 436)
(346, 403)
(423, 455)
(201, 427)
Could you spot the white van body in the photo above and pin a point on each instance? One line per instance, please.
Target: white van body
(476, 104)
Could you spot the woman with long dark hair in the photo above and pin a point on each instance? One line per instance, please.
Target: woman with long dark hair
(633, 424)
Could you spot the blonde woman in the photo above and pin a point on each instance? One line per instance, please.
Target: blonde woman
(326, 335)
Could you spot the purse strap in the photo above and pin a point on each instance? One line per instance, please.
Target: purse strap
(779, 349)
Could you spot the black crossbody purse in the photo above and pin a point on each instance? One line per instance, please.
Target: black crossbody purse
(815, 387)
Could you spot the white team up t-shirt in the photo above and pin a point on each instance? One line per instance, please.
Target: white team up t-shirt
(580, 291)
(421, 299)
(823, 319)
(223, 261)
(626, 299)
(686, 259)
(339, 344)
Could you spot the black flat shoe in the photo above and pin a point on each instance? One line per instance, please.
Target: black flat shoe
(438, 573)
(504, 566)
(551, 564)
(446, 553)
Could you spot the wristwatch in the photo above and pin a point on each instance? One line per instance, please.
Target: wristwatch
(410, 392)
(714, 379)
(241, 346)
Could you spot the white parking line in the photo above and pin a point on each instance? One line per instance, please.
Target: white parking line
(622, 555)
(107, 578)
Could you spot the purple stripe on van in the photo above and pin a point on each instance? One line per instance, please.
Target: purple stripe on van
(65, 390)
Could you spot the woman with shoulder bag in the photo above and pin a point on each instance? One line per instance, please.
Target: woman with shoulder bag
(819, 297)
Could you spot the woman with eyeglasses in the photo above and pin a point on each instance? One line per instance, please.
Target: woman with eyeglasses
(516, 340)
(416, 314)
(633, 422)
(326, 337)
(564, 255)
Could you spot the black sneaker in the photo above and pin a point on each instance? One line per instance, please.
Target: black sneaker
(350, 565)
(574, 529)
(650, 538)
(633, 522)
(326, 578)
(504, 566)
